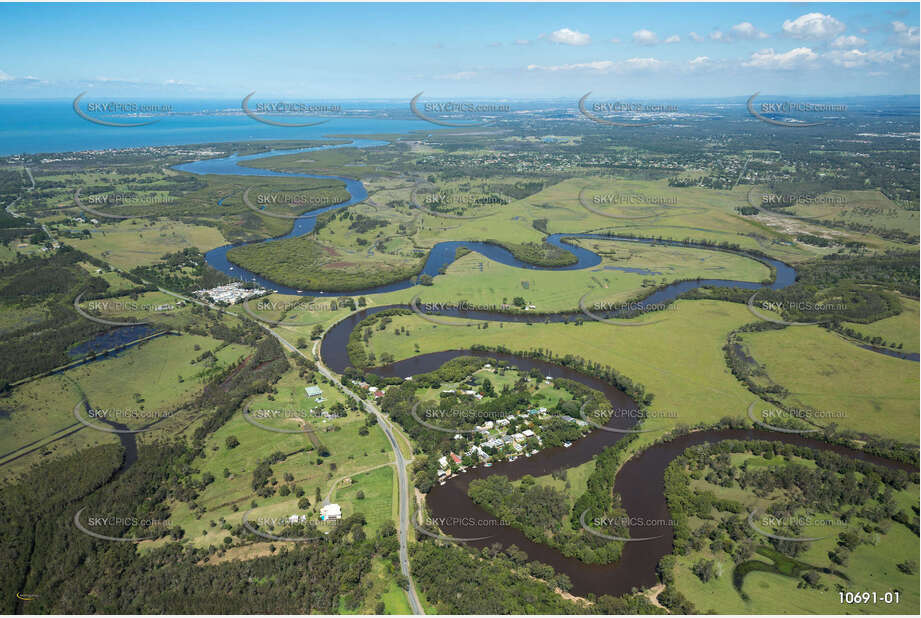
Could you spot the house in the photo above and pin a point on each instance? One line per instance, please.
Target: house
(518, 437)
(455, 458)
(457, 436)
(378, 394)
(502, 422)
(527, 433)
(443, 462)
(314, 391)
(489, 424)
(330, 512)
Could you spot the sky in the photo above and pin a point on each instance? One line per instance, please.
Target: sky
(489, 51)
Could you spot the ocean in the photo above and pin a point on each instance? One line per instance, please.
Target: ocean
(31, 127)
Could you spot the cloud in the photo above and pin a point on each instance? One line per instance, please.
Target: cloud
(793, 59)
(719, 36)
(855, 58)
(5, 77)
(522, 42)
(645, 37)
(495, 44)
(460, 75)
(673, 39)
(615, 40)
(905, 36)
(813, 26)
(695, 37)
(844, 42)
(565, 36)
(700, 63)
(598, 65)
(747, 31)
(605, 66)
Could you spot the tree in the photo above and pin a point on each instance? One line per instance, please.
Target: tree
(360, 495)
(231, 442)
(704, 569)
(303, 504)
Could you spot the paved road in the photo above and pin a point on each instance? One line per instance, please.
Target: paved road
(383, 421)
(402, 463)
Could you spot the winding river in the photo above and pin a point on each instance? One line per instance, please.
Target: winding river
(639, 481)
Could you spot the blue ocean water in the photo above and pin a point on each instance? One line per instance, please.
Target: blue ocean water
(52, 126)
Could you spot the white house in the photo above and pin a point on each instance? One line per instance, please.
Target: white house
(330, 512)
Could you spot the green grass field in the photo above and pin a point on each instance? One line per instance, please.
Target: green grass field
(142, 384)
(350, 454)
(902, 328)
(873, 393)
(139, 242)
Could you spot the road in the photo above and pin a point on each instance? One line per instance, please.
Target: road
(401, 461)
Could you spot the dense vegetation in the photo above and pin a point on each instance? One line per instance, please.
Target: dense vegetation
(458, 581)
(304, 263)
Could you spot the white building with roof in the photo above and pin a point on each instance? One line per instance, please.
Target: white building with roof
(329, 512)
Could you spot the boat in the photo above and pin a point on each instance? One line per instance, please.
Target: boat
(567, 444)
(488, 464)
(512, 458)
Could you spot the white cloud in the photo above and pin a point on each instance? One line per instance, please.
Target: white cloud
(645, 37)
(522, 42)
(719, 36)
(793, 59)
(460, 75)
(615, 40)
(599, 65)
(813, 26)
(695, 37)
(641, 64)
(5, 77)
(673, 39)
(843, 42)
(906, 36)
(700, 63)
(565, 36)
(605, 66)
(855, 58)
(746, 30)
